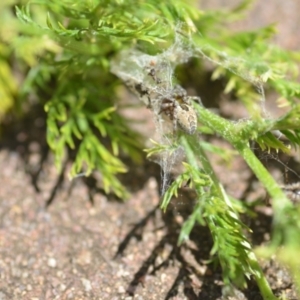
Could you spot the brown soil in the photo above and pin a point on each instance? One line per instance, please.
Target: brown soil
(68, 240)
(87, 245)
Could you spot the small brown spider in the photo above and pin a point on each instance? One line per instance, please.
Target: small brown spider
(179, 109)
(292, 191)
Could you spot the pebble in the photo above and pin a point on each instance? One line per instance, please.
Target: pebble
(87, 284)
(121, 289)
(52, 262)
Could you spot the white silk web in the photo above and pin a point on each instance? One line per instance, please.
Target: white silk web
(151, 78)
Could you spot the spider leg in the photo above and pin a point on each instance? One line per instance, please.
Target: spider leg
(149, 103)
(197, 99)
(164, 107)
(175, 119)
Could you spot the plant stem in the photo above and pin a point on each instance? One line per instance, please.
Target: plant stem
(262, 283)
(236, 135)
(228, 130)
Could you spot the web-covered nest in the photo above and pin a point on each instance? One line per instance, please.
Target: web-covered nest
(151, 79)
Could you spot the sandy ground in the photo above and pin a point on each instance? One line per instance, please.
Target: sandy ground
(87, 245)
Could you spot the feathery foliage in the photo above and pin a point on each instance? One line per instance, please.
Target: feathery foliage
(64, 49)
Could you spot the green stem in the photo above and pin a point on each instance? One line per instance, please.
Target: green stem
(235, 134)
(238, 134)
(188, 144)
(261, 280)
(279, 200)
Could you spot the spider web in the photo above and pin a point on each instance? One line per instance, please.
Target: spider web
(151, 77)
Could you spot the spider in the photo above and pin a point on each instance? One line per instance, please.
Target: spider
(177, 106)
(292, 191)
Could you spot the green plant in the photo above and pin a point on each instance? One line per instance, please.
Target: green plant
(66, 49)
